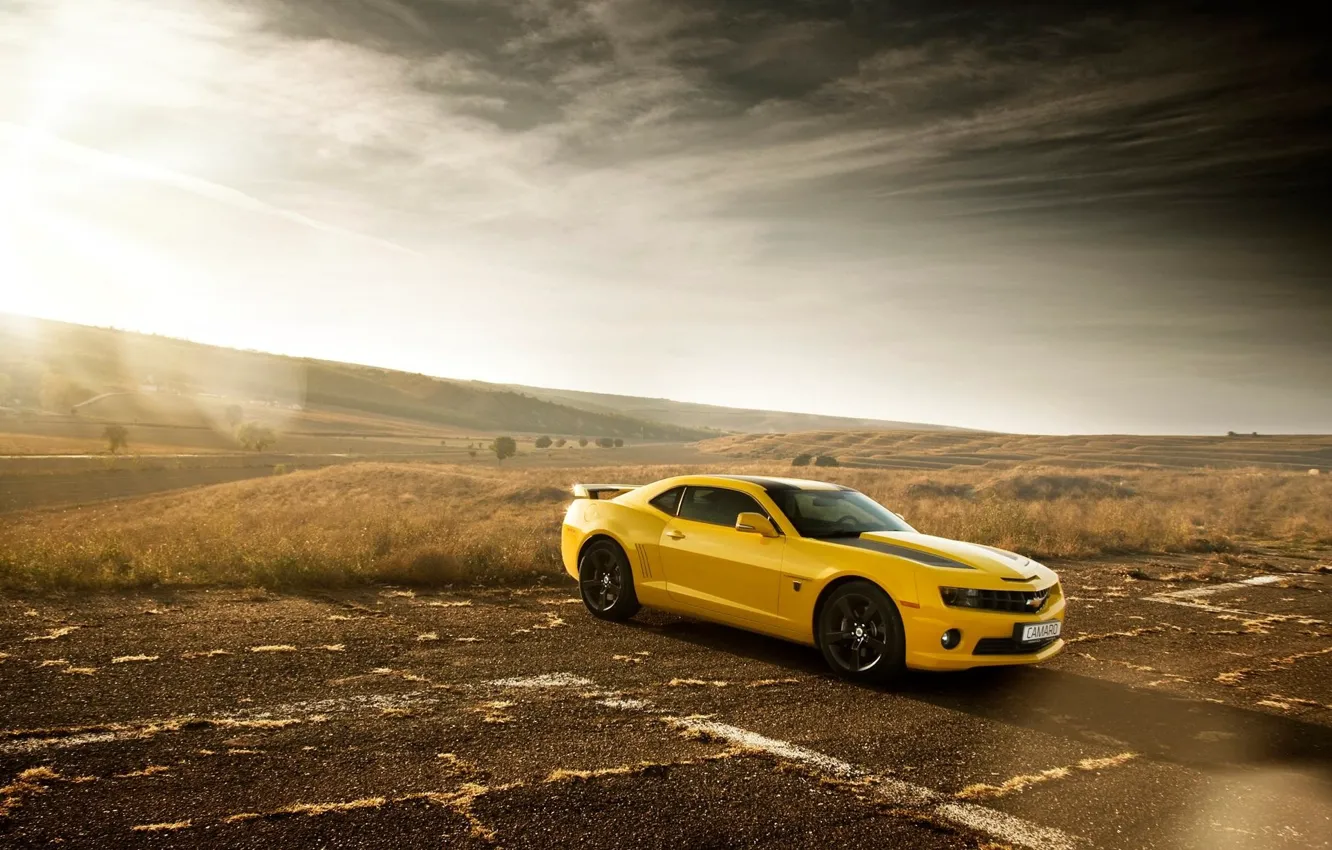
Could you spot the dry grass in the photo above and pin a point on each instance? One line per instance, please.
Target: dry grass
(983, 791)
(28, 783)
(351, 524)
(162, 827)
(54, 634)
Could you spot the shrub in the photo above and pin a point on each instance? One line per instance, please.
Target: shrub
(801, 460)
(826, 460)
(256, 437)
(116, 438)
(559, 444)
(605, 442)
(582, 442)
(619, 443)
(542, 442)
(504, 447)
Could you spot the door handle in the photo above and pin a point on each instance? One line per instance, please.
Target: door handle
(675, 535)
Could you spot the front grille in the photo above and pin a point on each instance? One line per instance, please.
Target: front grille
(1015, 601)
(1008, 646)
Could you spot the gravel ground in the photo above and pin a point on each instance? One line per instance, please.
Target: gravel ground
(1184, 713)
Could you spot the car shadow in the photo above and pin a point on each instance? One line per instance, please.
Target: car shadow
(1149, 721)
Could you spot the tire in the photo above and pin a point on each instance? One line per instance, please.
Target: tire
(606, 582)
(860, 634)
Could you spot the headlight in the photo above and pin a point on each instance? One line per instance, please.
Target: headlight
(961, 597)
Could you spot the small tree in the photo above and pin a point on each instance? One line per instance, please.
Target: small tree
(559, 444)
(801, 459)
(504, 447)
(542, 442)
(116, 438)
(471, 452)
(582, 442)
(255, 437)
(619, 443)
(826, 460)
(235, 414)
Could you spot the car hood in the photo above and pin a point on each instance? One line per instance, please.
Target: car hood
(996, 562)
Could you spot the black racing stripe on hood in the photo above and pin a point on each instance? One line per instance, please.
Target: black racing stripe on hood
(929, 559)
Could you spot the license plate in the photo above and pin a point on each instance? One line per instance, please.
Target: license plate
(1033, 632)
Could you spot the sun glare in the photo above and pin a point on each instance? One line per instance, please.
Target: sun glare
(89, 60)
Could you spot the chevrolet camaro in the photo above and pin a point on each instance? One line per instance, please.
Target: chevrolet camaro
(820, 564)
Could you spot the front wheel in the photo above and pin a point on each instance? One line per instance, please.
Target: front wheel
(607, 582)
(860, 634)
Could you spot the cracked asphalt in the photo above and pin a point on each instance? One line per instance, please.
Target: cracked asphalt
(1191, 709)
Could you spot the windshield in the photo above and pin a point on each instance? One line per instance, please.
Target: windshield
(835, 513)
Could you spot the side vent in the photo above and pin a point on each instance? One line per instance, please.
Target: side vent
(643, 560)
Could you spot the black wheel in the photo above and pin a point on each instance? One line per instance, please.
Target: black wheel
(860, 633)
(607, 582)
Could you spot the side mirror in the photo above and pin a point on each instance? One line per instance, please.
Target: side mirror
(755, 523)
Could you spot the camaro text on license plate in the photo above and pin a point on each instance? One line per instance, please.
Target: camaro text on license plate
(1040, 631)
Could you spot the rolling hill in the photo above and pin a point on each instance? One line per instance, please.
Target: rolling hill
(693, 415)
(56, 367)
(115, 375)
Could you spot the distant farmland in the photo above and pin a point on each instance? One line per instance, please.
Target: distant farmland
(927, 450)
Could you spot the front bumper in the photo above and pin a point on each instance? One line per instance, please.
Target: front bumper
(990, 632)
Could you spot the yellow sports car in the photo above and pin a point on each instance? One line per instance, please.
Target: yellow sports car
(816, 563)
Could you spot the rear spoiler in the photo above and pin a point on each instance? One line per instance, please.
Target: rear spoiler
(602, 491)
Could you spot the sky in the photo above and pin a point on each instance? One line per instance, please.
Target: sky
(1044, 218)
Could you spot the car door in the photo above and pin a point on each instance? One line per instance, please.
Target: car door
(711, 566)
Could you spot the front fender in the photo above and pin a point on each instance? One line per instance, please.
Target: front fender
(813, 567)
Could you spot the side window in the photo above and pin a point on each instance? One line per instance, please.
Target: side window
(667, 502)
(717, 505)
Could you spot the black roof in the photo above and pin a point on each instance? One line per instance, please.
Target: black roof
(772, 485)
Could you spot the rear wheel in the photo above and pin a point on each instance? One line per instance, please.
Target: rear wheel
(607, 582)
(860, 633)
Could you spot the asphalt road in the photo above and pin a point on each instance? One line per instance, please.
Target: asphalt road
(1192, 712)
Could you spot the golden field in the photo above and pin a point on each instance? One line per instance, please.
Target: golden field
(442, 524)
